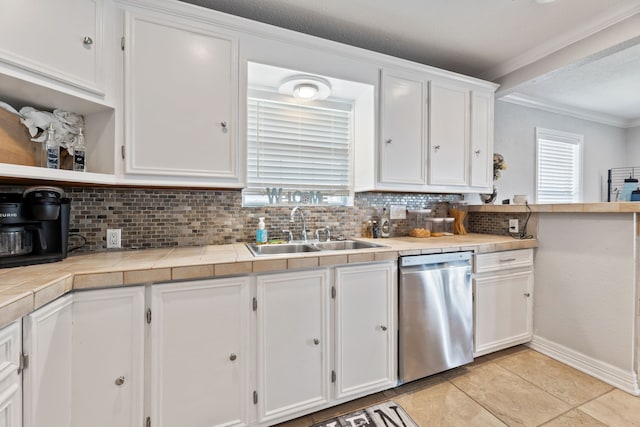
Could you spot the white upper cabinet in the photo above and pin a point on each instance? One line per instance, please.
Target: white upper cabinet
(401, 151)
(481, 140)
(449, 110)
(436, 133)
(180, 101)
(58, 39)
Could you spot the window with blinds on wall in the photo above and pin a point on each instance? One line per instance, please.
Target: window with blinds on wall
(558, 166)
(295, 147)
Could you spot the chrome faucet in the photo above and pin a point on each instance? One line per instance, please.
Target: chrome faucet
(304, 223)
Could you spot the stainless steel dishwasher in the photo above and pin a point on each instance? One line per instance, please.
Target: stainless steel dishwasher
(435, 314)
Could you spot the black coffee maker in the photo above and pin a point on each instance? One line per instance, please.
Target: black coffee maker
(34, 226)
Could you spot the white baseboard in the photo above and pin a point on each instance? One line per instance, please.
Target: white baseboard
(619, 378)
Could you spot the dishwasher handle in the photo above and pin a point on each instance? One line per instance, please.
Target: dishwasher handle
(448, 258)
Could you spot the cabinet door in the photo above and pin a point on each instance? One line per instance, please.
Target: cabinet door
(108, 358)
(10, 377)
(180, 100)
(293, 343)
(200, 353)
(401, 155)
(503, 311)
(365, 329)
(47, 381)
(448, 134)
(61, 39)
(481, 140)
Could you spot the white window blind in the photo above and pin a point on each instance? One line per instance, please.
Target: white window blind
(558, 167)
(297, 146)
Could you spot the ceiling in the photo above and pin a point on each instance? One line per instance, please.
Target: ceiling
(488, 39)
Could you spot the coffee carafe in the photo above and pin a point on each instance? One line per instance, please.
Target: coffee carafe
(34, 226)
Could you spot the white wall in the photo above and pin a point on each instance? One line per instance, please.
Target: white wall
(633, 147)
(604, 147)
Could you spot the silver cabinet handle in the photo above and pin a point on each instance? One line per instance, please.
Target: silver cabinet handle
(527, 294)
(316, 341)
(232, 357)
(388, 141)
(507, 259)
(384, 328)
(119, 380)
(223, 124)
(436, 147)
(477, 152)
(87, 41)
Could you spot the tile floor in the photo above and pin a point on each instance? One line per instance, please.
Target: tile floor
(514, 387)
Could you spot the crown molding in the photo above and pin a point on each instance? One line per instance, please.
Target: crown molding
(541, 51)
(578, 113)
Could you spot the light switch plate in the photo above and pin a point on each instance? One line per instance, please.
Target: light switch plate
(398, 212)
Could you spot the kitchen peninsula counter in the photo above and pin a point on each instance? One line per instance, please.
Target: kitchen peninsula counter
(24, 289)
(617, 207)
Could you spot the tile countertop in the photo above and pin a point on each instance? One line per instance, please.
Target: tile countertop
(617, 207)
(24, 289)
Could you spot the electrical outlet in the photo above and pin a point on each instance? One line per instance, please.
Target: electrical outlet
(398, 212)
(113, 238)
(514, 227)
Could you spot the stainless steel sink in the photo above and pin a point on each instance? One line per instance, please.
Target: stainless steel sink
(342, 245)
(313, 246)
(281, 248)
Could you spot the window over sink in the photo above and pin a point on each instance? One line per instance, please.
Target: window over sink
(301, 151)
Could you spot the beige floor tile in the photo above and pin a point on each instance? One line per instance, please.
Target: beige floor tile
(564, 382)
(509, 397)
(575, 418)
(444, 405)
(615, 408)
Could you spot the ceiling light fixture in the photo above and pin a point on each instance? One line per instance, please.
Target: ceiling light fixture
(306, 88)
(306, 91)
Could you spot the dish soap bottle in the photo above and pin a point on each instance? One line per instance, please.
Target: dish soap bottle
(385, 224)
(261, 232)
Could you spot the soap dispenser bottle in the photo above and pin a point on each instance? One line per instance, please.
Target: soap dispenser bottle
(261, 232)
(385, 224)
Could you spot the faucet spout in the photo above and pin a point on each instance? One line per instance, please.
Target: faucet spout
(304, 223)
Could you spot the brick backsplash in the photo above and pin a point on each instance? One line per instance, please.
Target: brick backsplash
(498, 223)
(155, 218)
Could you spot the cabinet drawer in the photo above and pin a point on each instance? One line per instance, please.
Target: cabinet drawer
(497, 261)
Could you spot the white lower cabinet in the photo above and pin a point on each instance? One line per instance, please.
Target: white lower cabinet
(107, 387)
(204, 354)
(11, 375)
(86, 360)
(313, 353)
(365, 329)
(200, 357)
(503, 300)
(47, 381)
(293, 349)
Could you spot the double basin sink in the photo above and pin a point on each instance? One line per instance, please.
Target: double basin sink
(312, 246)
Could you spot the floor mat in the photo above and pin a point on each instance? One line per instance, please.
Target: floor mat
(387, 414)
